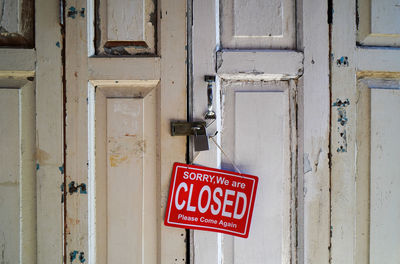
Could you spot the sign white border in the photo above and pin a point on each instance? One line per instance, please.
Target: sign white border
(202, 226)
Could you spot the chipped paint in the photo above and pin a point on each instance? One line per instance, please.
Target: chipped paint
(343, 146)
(73, 189)
(307, 165)
(343, 61)
(342, 118)
(342, 121)
(37, 166)
(341, 103)
(153, 18)
(125, 148)
(123, 47)
(83, 188)
(58, 44)
(61, 168)
(82, 12)
(82, 257)
(72, 255)
(72, 12)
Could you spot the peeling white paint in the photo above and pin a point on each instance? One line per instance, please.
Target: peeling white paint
(307, 165)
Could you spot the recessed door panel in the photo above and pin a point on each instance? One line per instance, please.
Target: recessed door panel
(17, 176)
(17, 23)
(385, 180)
(256, 134)
(377, 184)
(378, 23)
(257, 24)
(125, 153)
(10, 174)
(126, 27)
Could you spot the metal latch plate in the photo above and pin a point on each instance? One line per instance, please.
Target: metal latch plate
(180, 128)
(198, 129)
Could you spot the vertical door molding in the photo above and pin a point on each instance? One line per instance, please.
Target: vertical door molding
(172, 47)
(206, 246)
(313, 127)
(343, 146)
(49, 132)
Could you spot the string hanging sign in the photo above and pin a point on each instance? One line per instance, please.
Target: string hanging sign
(211, 199)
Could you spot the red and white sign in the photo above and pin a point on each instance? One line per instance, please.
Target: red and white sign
(211, 199)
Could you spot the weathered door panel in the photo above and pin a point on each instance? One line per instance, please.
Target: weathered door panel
(125, 132)
(10, 192)
(257, 138)
(378, 23)
(254, 24)
(385, 197)
(365, 110)
(17, 23)
(126, 27)
(17, 186)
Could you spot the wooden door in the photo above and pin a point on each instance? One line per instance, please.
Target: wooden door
(365, 117)
(271, 99)
(327, 163)
(31, 132)
(125, 82)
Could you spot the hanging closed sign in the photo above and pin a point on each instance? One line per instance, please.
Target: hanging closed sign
(211, 199)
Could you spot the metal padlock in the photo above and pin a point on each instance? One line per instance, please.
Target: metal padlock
(196, 129)
(200, 138)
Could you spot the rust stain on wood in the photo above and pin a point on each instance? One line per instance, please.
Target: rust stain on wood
(72, 221)
(42, 156)
(116, 160)
(124, 148)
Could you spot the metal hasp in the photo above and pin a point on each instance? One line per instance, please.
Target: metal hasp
(210, 79)
(196, 129)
